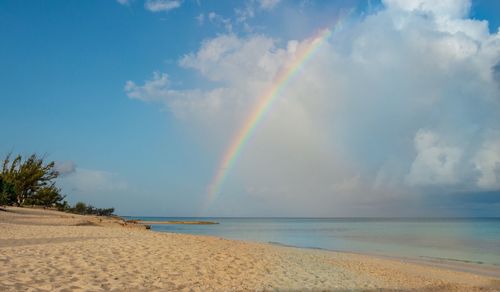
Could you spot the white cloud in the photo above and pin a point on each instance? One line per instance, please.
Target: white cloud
(243, 14)
(155, 89)
(256, 57)
(65, 167)
(124, 2)
(219, 20)
(436, 163)
(200, 18)
(268, 4)
(91, 182)
(443, 8)
(162, 5)
(487, 162)
(400, 101)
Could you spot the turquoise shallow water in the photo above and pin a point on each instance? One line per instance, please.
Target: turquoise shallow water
(471, 240)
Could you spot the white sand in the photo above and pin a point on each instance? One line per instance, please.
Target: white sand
(45, 251)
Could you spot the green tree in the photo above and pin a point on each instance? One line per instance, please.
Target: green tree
(90, 210)
(26, 177)
(48, 196)
(84, 209)
(63, 206)
(3, 198)
(80, 208)
(105, 211)
(7, 194)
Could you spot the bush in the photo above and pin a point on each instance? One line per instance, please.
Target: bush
(105, 211)
(80, 208)
(84, 209)
(47, 196)
(28, 181)
(64, 206)
(32, 182)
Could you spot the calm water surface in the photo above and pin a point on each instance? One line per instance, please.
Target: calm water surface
(471, 240)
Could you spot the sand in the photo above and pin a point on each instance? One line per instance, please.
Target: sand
(52, 251)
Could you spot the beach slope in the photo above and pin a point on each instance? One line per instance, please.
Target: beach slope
(52, 251)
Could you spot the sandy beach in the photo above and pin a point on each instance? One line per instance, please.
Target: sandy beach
(52, 251)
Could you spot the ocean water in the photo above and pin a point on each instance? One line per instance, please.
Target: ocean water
(474, 240)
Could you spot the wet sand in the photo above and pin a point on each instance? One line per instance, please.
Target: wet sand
(53, 251)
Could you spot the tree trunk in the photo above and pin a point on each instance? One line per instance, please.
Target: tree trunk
(19, 200)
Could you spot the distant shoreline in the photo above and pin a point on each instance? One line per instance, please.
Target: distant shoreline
(131, 217)
(172, 222)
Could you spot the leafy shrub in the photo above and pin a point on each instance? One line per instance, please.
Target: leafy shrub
(32, 182)
(84, 209)
(28, 181)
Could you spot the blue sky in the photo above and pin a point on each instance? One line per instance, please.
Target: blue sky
(153, 148)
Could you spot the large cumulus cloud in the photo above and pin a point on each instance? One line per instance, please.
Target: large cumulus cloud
(399, 105)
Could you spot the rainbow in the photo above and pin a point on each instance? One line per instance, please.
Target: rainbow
(264, 103)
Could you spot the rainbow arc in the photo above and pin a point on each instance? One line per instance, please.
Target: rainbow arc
(263, 105)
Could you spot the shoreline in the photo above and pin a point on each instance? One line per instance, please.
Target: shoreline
(477, 268)
(50, 250)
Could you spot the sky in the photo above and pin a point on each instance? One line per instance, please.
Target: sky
(395, 113)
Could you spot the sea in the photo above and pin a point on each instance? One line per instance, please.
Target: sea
(471, 240)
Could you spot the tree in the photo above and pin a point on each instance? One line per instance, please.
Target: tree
(32, 182)
(90, 210)
(26, 178)
(3, 198)
(64, 206)
(84, 209)
(80, 208)
(7, 194)
(105, 211)
(48, 196)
